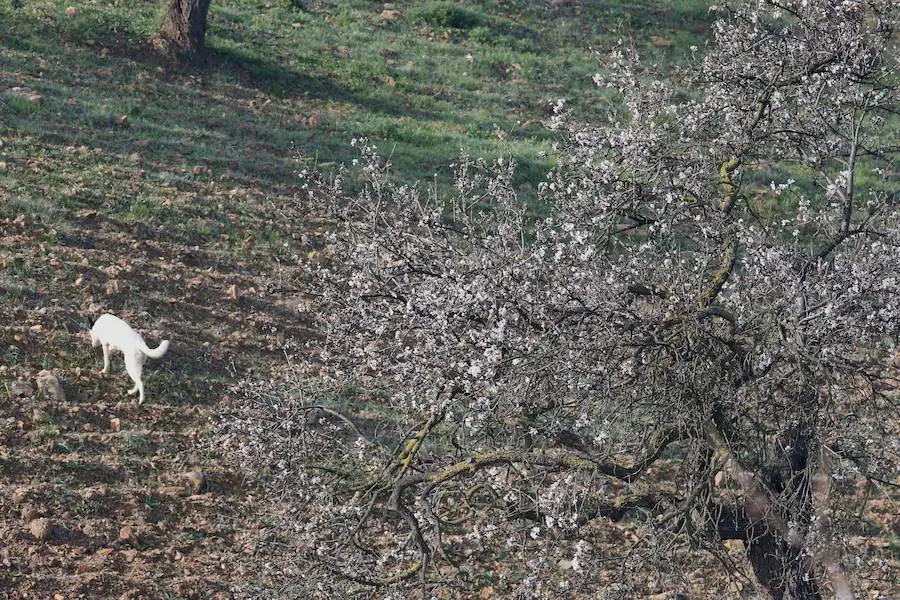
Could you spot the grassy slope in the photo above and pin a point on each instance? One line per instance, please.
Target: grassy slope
(148, 189)
(283, 78)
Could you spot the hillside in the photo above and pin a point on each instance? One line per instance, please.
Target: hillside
(164, 193)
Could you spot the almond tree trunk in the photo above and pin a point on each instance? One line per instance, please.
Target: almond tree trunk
(782, 570)
(184, 25)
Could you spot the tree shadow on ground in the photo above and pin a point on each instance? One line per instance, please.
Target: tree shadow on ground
(274, 78)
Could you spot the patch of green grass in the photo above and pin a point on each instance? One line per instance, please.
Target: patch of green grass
(153, 503)
(446, 15)
(19, 104)
(140, 209)
(46, 432)
(423, 82)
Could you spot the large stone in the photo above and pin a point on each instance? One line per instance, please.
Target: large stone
(50, 383)
(41, 528)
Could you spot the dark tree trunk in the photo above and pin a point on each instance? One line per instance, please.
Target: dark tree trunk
(785, 571)
(782, 570)
(184, 26)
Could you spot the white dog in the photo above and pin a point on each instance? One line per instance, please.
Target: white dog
(113, 333)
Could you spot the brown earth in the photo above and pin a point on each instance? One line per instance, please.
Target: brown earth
(100, 497)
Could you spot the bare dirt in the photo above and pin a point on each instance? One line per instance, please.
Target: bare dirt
(100, 497)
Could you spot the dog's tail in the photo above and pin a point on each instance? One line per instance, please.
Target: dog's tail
(156, 352)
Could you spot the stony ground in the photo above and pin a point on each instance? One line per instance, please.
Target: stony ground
(100, 497)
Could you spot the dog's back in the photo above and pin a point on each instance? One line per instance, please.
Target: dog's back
(117, 334)
(110, 329)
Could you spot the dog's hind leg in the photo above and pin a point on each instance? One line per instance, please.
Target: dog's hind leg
(133, 367)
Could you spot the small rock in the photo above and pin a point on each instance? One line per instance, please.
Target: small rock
(21, 388)
(71, 11)
(39, 416)
(196, 481)
(30, 513)
(116, 424)
(172, 490)
(19, 495)
(41, 528)
(50, 382)
(112, 287)
(127, 535)
(232, 292)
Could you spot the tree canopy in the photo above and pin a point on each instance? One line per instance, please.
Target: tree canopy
(693, 331)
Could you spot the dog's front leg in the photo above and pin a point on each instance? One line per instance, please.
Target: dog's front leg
(105, 359)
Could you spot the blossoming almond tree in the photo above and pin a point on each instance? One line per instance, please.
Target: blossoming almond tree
(696, 335)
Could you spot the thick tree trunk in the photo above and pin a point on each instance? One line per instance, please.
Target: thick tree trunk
(184, 25)
(782, 570)
(786, 569)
